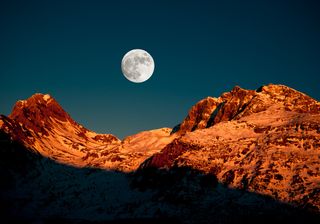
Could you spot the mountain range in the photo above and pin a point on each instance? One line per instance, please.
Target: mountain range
(247, 156)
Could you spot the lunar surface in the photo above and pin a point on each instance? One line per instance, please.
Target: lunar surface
(137, 65)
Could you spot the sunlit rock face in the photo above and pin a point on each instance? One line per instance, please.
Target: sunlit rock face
(246, 155)
(265, 141)
(42, 125)
(240, 102)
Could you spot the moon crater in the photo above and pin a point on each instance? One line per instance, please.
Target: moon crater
(137, 65)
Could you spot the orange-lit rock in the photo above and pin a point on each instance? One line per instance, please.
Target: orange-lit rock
(265, 141)
(42, 125)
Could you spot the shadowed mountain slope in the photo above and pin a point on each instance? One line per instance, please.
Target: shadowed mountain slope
(243, 157)
(265, 141)
(37, 189)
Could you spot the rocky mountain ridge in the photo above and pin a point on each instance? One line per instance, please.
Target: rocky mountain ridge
(240, 103)
(264, 142)
(242, 156)
(41, 124)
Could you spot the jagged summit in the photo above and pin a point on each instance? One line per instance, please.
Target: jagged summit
(41, 124)
(38, 107)
(264, 141)
(241, 102)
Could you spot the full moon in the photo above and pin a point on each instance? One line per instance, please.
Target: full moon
(137, 65)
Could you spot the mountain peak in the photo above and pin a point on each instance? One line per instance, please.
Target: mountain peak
(39, 113)
(38, 107)
(240, 102)
(42, 97)
(263, 141)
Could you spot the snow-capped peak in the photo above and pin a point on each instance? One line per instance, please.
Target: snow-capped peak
(46, 97)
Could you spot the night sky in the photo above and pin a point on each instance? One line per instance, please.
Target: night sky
(73, 50)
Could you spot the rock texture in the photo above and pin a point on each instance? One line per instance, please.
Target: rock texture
(240, 102)
(265, 141)
(42, 125)
(247, 156)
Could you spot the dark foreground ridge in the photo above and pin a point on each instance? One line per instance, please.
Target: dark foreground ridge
(248, 156)
(37, 189)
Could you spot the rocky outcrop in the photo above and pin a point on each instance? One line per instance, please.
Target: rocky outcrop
(199, 115)
(240, 102)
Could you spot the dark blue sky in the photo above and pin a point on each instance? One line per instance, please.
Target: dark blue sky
(73, 49)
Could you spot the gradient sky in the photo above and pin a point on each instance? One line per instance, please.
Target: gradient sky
(73, 50)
